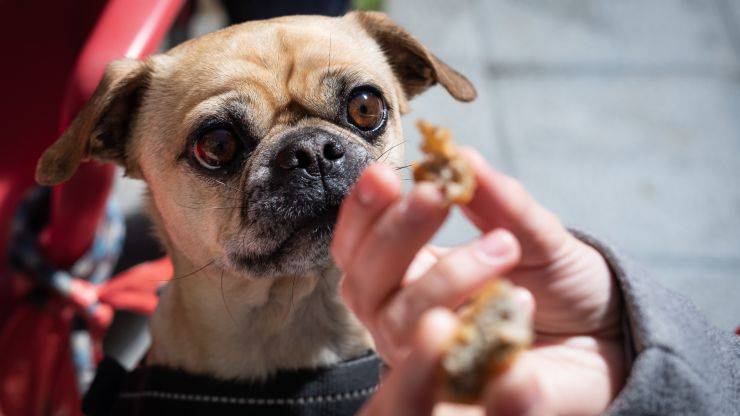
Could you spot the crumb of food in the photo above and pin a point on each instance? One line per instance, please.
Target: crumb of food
(493, 331)
(443, 164)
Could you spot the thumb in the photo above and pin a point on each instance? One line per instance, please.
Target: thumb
(518, 391)
(410, 388)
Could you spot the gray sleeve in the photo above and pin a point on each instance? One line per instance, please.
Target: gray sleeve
(682, 365)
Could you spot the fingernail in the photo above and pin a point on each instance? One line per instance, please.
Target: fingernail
(377, 183)
(424, 200)
(497, 244)
(533, 403)
(518, 393)
(525, 300)
(365, 192)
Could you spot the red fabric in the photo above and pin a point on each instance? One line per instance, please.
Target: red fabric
(135, 289)
(39, 379)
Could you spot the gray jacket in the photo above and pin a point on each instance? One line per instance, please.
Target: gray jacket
(682, 365)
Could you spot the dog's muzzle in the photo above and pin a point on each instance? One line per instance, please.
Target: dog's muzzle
(293, 206)
(310, 173)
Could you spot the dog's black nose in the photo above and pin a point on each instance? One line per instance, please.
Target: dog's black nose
(314, 153)
(313, 169)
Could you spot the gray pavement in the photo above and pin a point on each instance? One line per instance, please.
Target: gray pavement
(623, 117)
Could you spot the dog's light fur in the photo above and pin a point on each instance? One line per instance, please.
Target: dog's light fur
(217, 318)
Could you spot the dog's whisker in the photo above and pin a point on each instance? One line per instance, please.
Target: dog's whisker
(404, 166)
(213, 208)
(387, 151)
(328, 65)
(187, 274)
(292, 290)
(223, 298)
(290, 306)
(207, 207)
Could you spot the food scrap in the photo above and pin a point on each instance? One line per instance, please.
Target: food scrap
(492, 332)
(443, 165)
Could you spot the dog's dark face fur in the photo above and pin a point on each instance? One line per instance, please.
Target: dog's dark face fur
(292, 189)
(250, 137)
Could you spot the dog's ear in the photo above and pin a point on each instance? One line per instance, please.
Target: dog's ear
(102, 127)
(415, 67)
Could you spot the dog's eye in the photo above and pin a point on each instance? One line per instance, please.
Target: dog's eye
(216, 149)
(366, 109)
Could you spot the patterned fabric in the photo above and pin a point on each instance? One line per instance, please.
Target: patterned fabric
(80, 285)
(340, 389)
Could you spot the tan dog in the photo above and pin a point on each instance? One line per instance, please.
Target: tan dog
(248, 139)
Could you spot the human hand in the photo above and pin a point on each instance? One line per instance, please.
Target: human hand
(576, 364)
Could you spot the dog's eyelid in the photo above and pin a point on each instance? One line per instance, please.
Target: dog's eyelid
(228, 121)
(347, 81)
(369, 85)
(207, 123)
(372, 86)
(244, 130)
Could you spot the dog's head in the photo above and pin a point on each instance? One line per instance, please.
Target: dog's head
(250, 137)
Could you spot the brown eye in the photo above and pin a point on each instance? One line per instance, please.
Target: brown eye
(366, 109)
(216, 149)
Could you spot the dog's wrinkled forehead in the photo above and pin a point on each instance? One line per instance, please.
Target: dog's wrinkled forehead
(274, 66)
(270, 68)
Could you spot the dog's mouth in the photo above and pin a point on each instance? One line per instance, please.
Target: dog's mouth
(288, 219)
(303, 244)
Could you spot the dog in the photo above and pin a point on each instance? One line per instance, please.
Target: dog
(248, 139)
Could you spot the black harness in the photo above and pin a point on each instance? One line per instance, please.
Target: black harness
(153, 390)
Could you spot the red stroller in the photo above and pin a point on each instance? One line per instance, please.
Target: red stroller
(55, 253)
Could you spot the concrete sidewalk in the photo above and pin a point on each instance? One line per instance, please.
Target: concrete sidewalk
(622, 117)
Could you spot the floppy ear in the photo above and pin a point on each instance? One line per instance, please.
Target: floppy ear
(101, 129)
(415, 67)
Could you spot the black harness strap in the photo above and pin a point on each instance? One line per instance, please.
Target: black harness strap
(337, 390)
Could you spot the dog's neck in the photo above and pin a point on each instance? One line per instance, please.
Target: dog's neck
(233, 327)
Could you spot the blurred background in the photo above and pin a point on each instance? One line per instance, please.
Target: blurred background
(623, 117)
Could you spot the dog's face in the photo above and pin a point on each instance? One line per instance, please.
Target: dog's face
(250, 137)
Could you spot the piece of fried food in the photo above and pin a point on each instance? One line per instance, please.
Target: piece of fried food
(493, 330)
(443, 165)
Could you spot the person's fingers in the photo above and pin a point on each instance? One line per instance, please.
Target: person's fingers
(377, 188)
(377, 267)
(410, 388)
(449, 282)
(500, 201)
